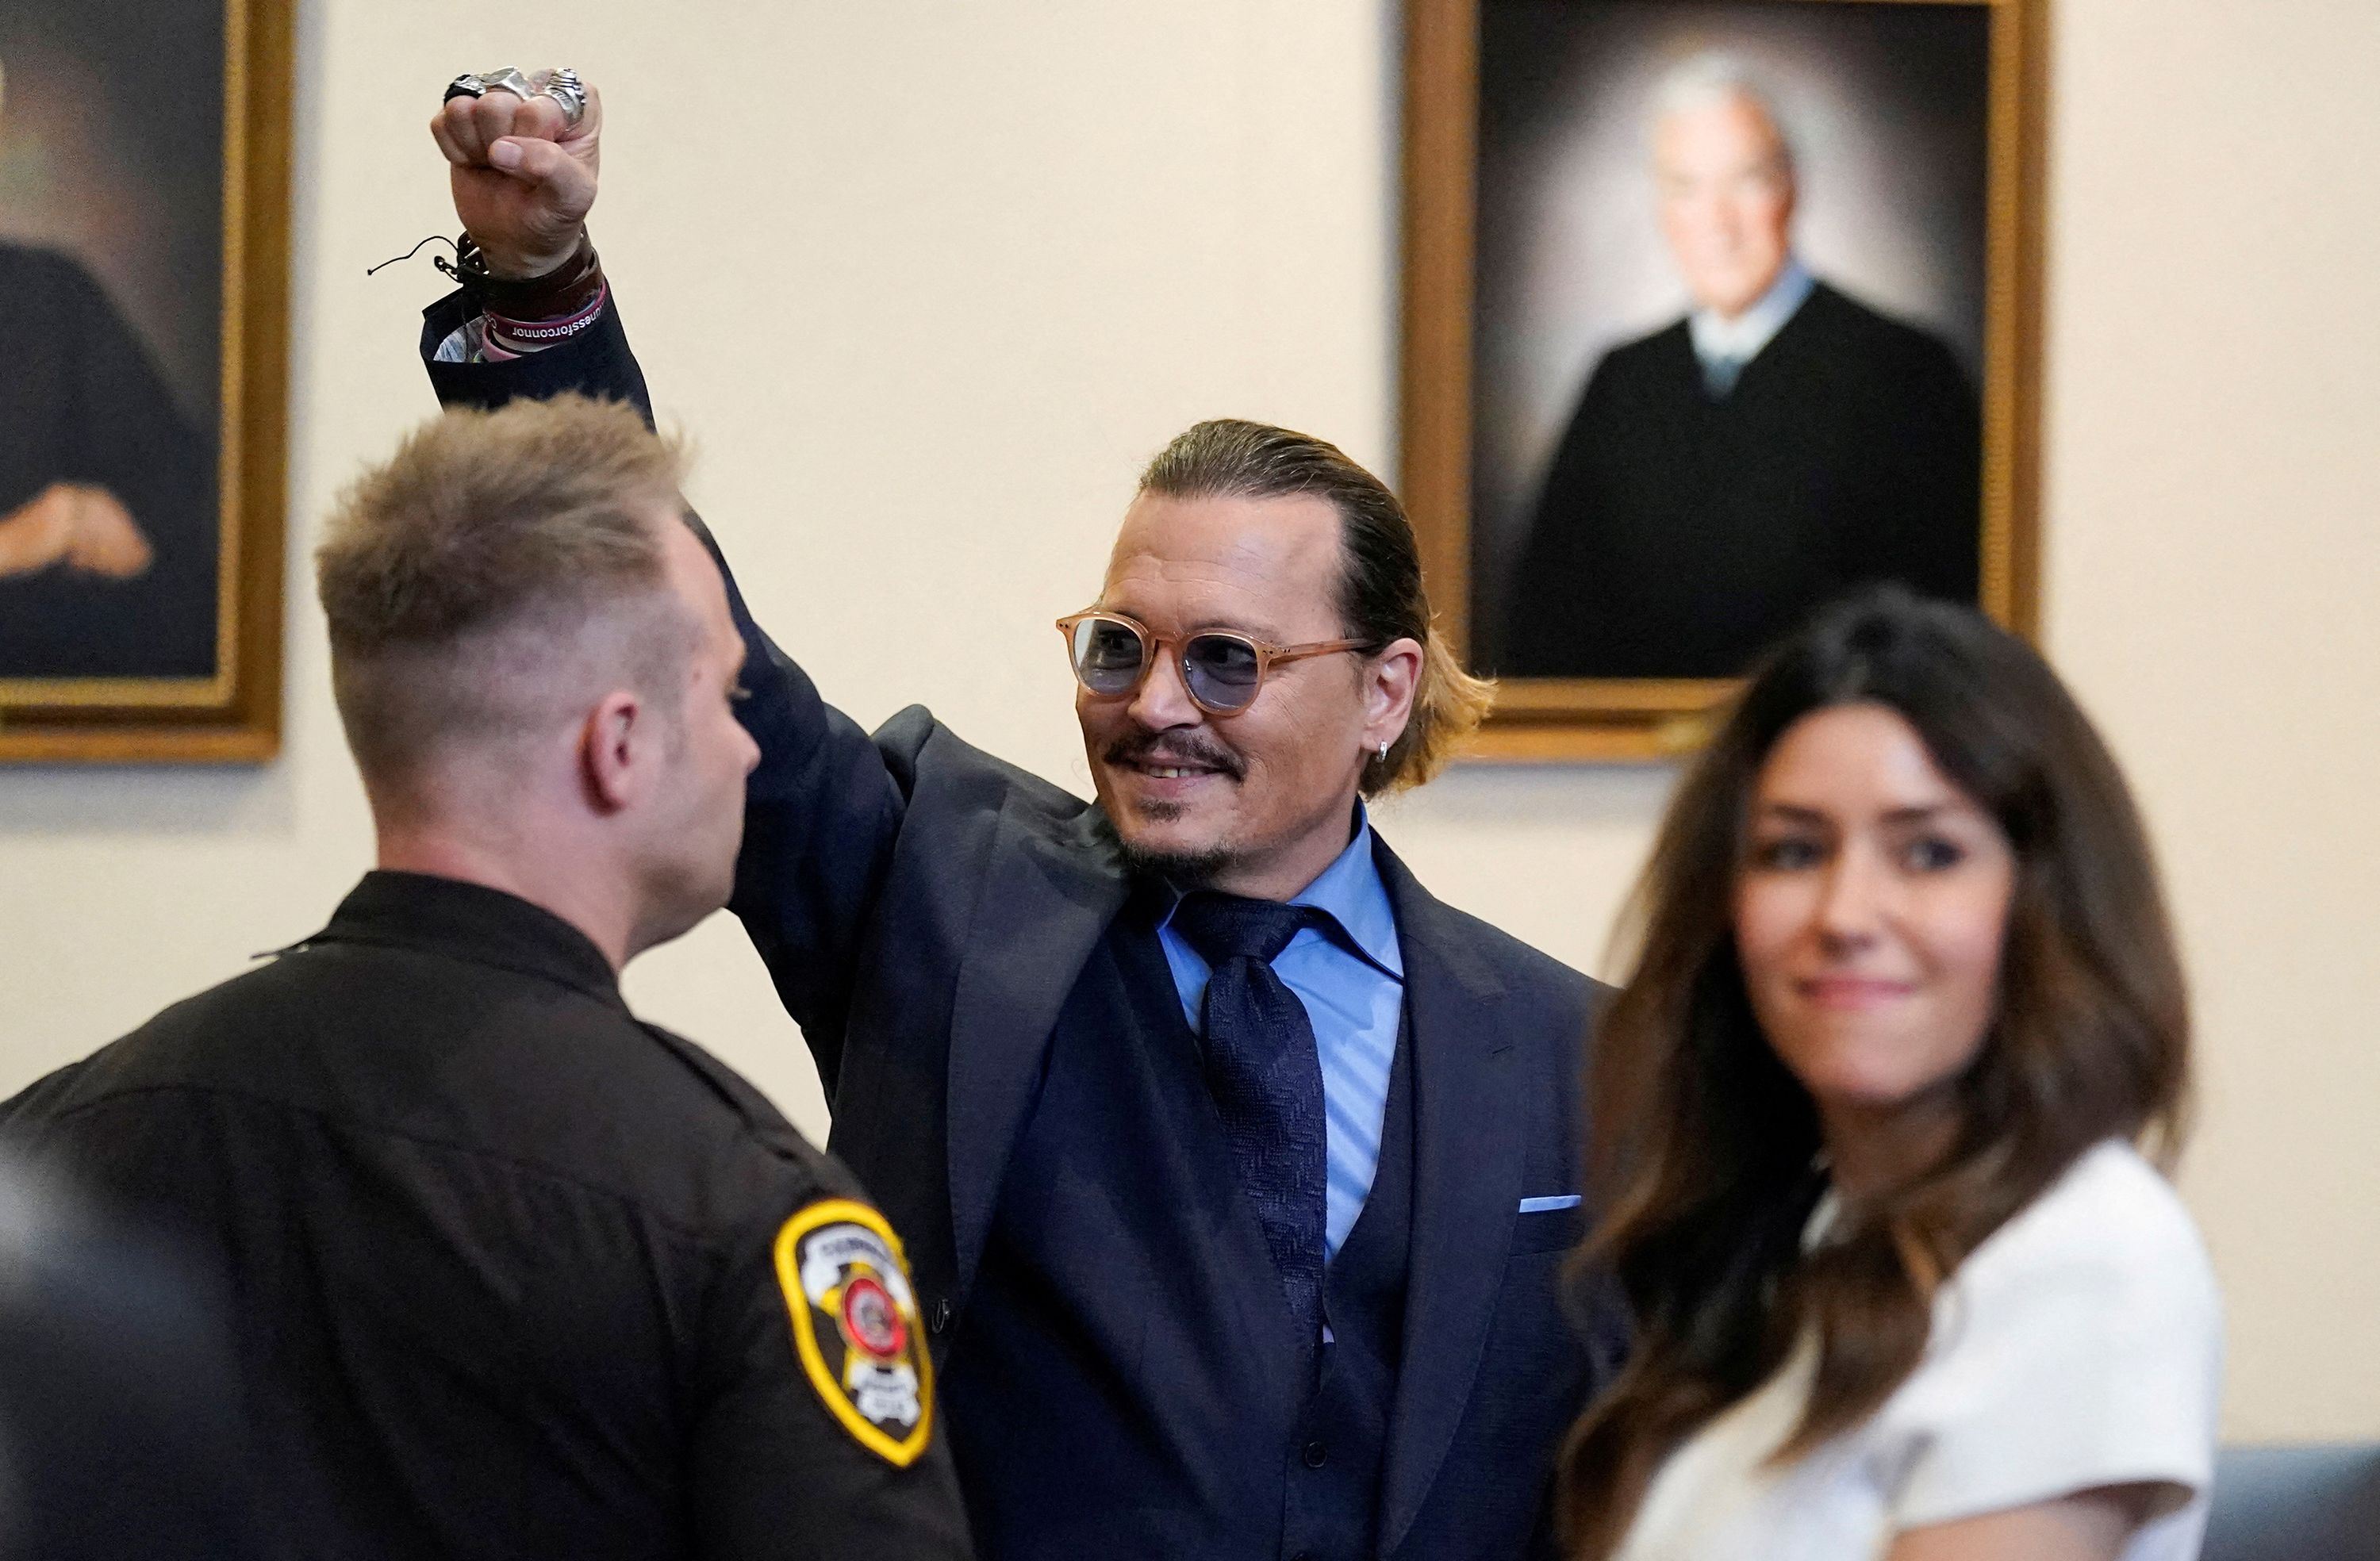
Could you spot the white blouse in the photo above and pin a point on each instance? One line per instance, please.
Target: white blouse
(2080, 1345)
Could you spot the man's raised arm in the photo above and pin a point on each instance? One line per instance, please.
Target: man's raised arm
(536, 317)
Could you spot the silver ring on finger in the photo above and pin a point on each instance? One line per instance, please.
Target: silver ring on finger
(480, 85)
(568, 92)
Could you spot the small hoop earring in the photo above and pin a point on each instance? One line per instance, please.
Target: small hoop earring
(1384, 753)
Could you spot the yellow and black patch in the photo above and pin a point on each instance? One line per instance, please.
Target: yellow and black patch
(856, 1326)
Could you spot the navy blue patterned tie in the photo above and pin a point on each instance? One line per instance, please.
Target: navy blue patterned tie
(1266, 1077)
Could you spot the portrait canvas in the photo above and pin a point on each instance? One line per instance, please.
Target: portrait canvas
(1715, 311)
(142, 254)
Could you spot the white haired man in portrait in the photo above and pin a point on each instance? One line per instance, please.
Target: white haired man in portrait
(1780, 444)
(106, 488)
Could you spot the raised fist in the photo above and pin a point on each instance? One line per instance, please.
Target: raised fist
(523, 181)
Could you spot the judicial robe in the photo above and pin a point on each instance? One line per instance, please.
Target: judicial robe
(1679, 533)
(81, 402)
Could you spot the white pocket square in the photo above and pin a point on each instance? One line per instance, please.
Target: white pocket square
(1551, 1201)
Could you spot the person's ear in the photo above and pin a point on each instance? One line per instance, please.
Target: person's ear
(615, 752)
(1392, 680)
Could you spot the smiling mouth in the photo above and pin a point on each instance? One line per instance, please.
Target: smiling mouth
(1175, 765)
(1853, 992)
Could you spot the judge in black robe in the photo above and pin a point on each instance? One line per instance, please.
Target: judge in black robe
(1780, 445)
(82, 404)
(1680, 531)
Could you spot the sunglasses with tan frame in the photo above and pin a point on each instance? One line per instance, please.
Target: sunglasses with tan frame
(1222, 669)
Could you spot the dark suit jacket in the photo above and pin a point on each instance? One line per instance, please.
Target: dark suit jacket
(1678, 536)
(81, 402)
(926, 908)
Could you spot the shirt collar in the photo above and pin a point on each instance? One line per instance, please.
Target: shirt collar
(468, 921)
(1351, 893)
(1740, 339)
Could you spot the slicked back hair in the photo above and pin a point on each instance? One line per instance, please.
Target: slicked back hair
(1380, 595)
(484, 581)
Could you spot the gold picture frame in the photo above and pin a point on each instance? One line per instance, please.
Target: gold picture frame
(1562, 717)
(234, 713)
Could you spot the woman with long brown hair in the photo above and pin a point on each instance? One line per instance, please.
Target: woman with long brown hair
(1904, 1003)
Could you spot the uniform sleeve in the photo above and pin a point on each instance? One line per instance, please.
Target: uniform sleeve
(2088, 1355)
(816, 1436)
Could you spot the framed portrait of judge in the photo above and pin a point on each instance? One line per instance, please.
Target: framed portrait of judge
(145, 197)
(1714, 310)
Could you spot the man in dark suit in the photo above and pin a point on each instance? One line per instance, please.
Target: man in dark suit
(1235, 1169)
(1724, 476)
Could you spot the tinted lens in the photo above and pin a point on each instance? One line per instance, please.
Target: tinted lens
(1107, 656)
(1223, 670)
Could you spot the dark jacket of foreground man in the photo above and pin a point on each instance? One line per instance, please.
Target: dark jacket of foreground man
(1010, 1074)
(1679, 535)
(117, 1375)
(498, 1257)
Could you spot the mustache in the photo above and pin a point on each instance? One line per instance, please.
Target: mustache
(1180, 749)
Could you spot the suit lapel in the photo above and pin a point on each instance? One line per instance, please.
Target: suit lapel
(1467, 1161)
(1050, 890)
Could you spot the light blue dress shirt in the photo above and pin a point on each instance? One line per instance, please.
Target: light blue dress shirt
(1352, 980)
(1723, 345)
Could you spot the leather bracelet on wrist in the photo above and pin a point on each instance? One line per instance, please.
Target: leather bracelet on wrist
(560, 293)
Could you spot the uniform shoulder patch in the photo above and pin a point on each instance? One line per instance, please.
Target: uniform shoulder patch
(856, 1327)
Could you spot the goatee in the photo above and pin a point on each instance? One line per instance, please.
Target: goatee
(1183, 869)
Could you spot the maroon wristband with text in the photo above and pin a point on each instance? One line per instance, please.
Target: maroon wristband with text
(517, 336)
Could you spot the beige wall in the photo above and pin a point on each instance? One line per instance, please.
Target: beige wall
(929, 281)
